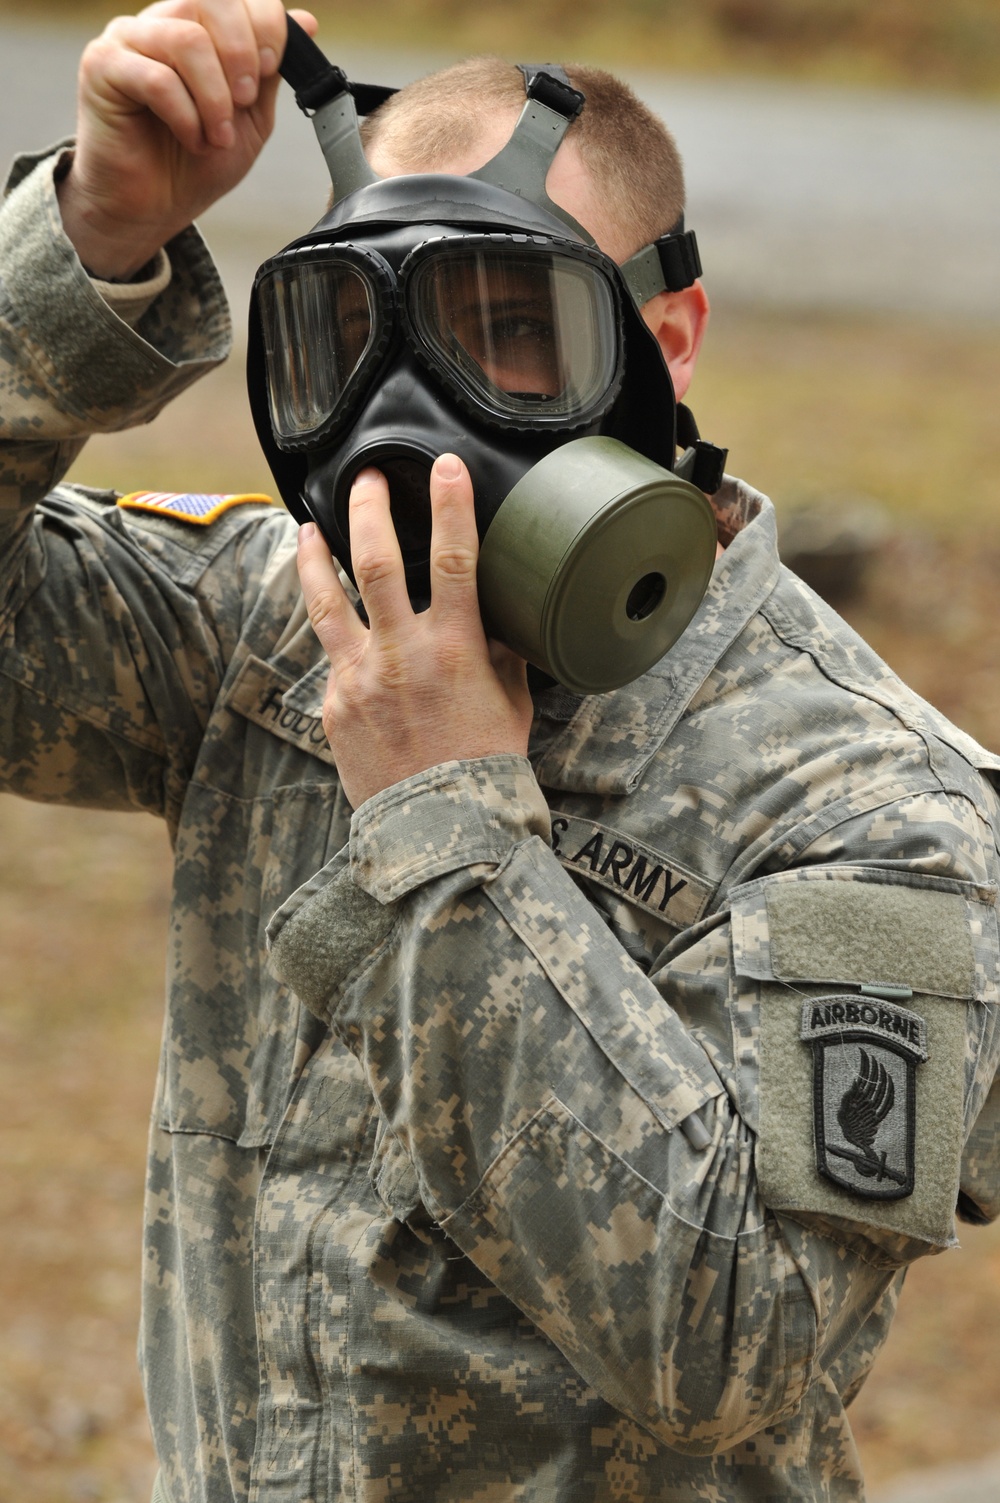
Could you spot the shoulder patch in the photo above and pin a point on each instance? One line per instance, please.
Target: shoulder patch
(202, 510)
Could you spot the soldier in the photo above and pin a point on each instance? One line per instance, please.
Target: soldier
(615, 1053)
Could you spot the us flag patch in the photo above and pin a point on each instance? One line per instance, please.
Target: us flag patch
(187, 506)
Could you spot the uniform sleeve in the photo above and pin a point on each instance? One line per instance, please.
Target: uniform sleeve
(979, 1198)
(69, 365)
(110, 657)
(536, 1079)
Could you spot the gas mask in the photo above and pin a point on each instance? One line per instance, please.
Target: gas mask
(432, 313)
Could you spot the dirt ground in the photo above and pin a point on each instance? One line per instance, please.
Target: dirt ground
(83, 901)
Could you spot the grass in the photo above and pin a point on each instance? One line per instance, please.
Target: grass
(809, 405)
(813, 408)
(82, 932)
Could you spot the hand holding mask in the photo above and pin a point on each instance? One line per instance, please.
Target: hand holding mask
(411, 689)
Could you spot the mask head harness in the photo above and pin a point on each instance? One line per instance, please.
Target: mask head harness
(431, 313)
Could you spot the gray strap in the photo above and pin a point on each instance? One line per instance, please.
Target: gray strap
(522, 166)
(644, 275)
(322, 89)
(336, 127)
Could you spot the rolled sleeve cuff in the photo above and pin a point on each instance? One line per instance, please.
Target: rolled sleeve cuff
(130, 300)
(104, 373)
(456, 814)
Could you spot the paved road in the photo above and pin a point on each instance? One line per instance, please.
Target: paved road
(812, 196)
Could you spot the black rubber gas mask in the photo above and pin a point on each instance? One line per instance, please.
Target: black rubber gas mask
(428, 314)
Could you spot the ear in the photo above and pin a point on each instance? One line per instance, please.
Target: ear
(679, 321)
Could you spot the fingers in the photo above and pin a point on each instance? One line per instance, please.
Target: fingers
(223, 55)
(229, 31)
(375, 555)
(170, 68)
(249, 39)
(454, 542)
(249, 35)
(379, 572)
(334, 619)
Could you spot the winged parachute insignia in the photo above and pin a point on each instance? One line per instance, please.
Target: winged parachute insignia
(863, 1108)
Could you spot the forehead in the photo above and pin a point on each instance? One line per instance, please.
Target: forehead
(569, 183)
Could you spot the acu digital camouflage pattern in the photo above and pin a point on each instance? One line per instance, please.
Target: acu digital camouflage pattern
(441, 1229)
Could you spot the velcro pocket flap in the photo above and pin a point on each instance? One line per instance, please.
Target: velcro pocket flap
(861, 927)
(854, 1005)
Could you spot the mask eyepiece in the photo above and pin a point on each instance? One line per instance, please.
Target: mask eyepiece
(524, 330)
(327, 320)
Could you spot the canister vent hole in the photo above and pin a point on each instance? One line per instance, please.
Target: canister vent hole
(644, 596)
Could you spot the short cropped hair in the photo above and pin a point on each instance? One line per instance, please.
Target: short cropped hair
(631, 156)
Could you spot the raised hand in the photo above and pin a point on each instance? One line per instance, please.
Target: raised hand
(174, 106)
(413, 689)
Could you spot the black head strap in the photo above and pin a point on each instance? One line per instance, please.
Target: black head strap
(368, 96)
(669, 264)
(549, 84)
(317, 81)
(314, 78)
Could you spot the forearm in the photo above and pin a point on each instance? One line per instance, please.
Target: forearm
(537, 1079)
(72, 366)
(540, 1092)
(110, 249)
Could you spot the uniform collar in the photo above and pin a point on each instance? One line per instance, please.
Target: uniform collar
(604, 742)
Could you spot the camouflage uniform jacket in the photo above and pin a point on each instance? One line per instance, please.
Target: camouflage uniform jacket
(572, 1140)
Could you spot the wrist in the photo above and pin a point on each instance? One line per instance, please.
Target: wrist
(109, 250)
(457, 814)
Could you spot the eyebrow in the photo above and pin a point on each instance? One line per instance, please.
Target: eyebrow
(508, 304)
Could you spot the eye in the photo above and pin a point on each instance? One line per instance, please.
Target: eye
(511, 326)
(518, 330)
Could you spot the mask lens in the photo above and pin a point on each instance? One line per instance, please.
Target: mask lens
(318, 324)
(527, 333)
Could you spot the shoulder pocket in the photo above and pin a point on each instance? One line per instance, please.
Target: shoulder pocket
(859, 1012)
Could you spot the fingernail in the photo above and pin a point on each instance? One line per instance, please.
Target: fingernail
(307, 531)
(367, 476)
(268, 60)
(449, 466)
(245, 89)
(225, 135)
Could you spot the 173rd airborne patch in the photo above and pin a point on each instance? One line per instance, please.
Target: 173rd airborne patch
(866, 1052)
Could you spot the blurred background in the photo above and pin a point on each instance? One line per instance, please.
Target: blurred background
(843, 161)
